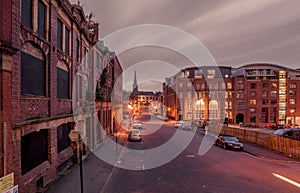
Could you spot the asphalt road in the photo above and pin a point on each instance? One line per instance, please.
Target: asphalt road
(217, 171)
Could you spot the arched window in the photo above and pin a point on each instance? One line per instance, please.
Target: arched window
(63, 81)
(33, 71)
(213, 109)
(200, 109)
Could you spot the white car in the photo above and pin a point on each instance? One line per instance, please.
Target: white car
(179, 123)
(185, 126)
(137, 125)
(134, 135)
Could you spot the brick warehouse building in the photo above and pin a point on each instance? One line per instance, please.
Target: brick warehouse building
(42, 43)
(258, 95)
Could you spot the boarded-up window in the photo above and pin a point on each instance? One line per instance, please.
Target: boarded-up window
(79, 89)
(63, 83)
(34, 150)
(26, 11)
(59, 34)
(41, 18)
(67, 41)
(77, 50)
(33, 75)
(63, 139)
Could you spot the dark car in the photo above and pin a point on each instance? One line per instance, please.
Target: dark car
(229, 142)
(288, 133)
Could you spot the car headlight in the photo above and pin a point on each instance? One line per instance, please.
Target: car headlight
(230, 144)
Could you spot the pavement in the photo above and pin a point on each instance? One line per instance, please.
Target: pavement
(96, 172)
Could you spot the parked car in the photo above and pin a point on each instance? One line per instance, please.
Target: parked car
(137, 125)
(134, 135)
(279, 126)
(293, 126)
(185, 126)
(288, 133)
(229, 142)
(178, 123)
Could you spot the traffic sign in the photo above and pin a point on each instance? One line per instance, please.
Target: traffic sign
(74, 135)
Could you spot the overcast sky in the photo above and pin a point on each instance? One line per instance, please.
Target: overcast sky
(234, 32)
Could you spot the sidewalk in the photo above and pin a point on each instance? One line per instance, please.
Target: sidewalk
(95, 173)
(267, 154)
(261, 151)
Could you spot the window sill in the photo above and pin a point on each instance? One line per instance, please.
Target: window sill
(31, 97)
(64, 100)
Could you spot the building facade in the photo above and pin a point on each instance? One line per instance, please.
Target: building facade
(42, 47)
(258, 95)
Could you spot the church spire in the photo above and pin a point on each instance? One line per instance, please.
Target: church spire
(135, 85)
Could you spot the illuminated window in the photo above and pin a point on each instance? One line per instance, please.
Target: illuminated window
(252, 102)
(211, 74)
(229, 85)
(213, 109)
(253, 93)
(293, 85)
(292, 101)
(274, 85)
(252, 110)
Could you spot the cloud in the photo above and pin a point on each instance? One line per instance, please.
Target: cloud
(235, 32)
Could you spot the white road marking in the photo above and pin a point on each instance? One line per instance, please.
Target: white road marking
(190, 155)
(287, 180)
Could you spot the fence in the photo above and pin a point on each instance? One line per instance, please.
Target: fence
(286, 146)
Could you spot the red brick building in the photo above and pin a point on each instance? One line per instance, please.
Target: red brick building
(257, 95)
(42, 44)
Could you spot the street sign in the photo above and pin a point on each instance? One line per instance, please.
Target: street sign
(74, 135)
(7, 182)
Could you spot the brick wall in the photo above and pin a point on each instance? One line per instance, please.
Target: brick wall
(17, 110)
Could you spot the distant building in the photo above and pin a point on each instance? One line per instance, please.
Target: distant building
(139, 98)
(255, 94)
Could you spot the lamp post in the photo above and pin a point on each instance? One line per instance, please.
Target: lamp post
(168, 112)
